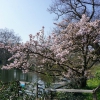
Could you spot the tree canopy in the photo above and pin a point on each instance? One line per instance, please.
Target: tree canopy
(73, 51)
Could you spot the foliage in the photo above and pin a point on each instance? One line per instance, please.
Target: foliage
(70, 96)
(94, 80)
(13, 91)
(9, 90)
(92, 84)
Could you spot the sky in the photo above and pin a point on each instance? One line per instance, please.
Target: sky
(26, 16)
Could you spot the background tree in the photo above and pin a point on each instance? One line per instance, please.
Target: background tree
(74, 9)
(6, 37)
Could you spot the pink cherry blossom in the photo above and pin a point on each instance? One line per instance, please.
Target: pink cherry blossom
(73, 49)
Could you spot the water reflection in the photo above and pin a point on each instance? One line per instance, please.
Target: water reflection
(15, 74)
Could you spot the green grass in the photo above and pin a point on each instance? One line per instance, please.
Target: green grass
(94, 82)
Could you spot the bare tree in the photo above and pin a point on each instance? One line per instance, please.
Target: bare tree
(74, 9)
(7, 36)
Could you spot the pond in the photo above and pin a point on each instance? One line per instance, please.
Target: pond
(16, 74)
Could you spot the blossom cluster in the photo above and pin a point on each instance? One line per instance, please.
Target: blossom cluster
(74, 48)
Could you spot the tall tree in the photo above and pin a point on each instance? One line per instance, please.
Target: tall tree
(74, 9)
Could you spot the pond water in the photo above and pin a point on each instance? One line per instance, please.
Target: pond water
(15, 74)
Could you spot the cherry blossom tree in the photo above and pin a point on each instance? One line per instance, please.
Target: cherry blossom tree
(72, 53)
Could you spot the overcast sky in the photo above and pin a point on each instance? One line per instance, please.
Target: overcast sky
(26, 16)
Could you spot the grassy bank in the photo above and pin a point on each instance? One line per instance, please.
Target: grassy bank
(94, 82)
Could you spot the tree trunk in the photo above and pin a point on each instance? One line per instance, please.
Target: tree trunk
(83, 82)
(80, 82)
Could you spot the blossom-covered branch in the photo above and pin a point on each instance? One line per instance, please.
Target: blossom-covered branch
(74, 50)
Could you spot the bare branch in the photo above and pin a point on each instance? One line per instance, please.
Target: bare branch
(73, 9)
(93, 10)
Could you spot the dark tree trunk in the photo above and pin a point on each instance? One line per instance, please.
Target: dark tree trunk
(83, 82)
(80, 82)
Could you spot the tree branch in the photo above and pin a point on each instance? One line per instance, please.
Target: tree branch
(91, 3)
(93, 10)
